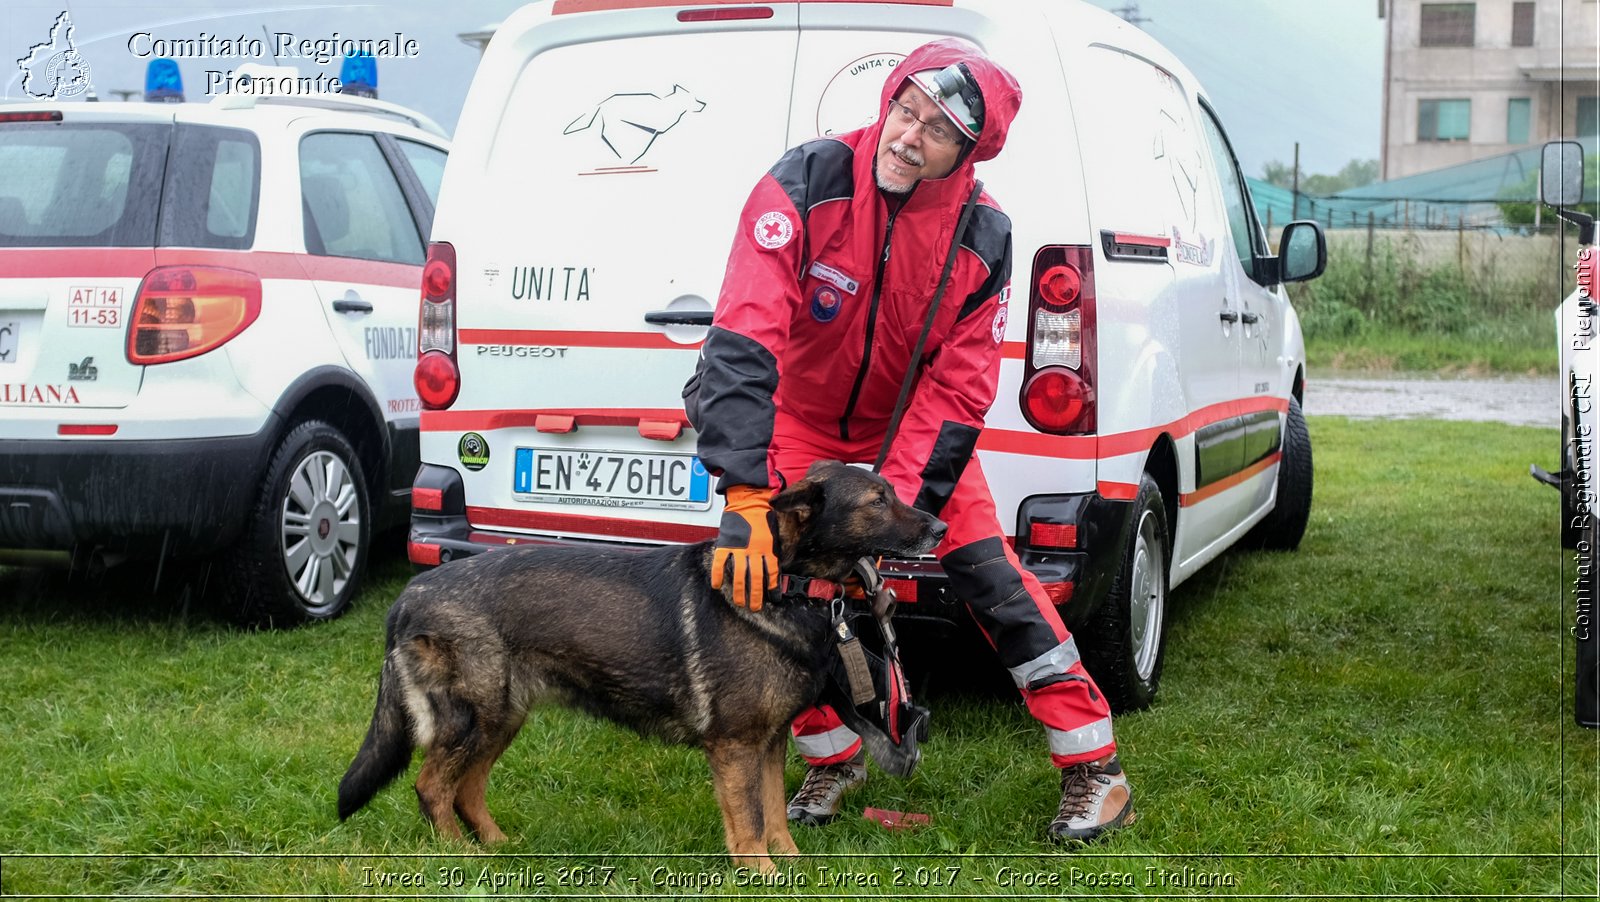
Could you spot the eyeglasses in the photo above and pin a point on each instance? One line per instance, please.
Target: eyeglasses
(941, 133)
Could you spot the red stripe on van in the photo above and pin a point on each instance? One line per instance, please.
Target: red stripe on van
(482, 420)
(1090, 447)
(1117, 491)
(1221, 485)
(590, 6)
(1141, 240)
(569, 524)
(650, 341)
(134, 263)
(1140, 440)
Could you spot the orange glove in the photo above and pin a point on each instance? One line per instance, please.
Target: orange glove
(746, 546)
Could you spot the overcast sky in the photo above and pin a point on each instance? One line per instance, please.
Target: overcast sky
(1278, 71)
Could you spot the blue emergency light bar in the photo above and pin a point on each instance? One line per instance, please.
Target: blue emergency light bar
(163, 83)
(359, 75)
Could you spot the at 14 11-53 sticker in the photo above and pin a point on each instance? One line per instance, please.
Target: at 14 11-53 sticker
(97, 308)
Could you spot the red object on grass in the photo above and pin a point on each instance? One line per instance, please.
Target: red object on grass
(895, 820)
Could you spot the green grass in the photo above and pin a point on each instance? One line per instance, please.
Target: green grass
(1385, 711)
(1395, 312)
(1528, 352)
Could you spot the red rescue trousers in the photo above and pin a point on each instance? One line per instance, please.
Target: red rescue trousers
(1006, 601)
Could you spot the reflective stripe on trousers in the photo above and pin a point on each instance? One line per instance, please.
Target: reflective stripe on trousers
(822, 738)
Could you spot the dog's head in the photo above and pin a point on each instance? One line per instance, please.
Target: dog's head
(839, 514)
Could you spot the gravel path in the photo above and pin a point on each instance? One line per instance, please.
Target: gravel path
(1520, 401)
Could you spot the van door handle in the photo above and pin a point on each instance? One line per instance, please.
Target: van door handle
(1228, 316)
(351, 303)
(1250, 318)
(678, 317)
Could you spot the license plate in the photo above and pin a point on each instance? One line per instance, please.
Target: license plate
(10, 337)
(612, 479)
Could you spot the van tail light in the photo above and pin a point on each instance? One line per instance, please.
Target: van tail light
(1052, 535)
(438, 377)
(905, 590)
(1058, 593)
(1058, 391)
(185, 311)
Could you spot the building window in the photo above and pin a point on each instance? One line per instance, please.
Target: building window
(1447, 24)
(1517, 117)
(1522, 24)
(1443, 120)
(1588, 117)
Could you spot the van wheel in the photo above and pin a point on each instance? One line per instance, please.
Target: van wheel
(1126, 641)
(304, 550)
(1285, 526)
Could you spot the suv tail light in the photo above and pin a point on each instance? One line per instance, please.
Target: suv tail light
(1058, 393)
(437, 377)
(185, 311)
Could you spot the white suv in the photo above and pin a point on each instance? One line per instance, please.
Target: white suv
(207, 334)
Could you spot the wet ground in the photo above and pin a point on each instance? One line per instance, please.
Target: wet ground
(1520, 401)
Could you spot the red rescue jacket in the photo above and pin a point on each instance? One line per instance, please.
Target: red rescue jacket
(827, 290)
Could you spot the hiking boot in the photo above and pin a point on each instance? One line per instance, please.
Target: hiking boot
(817, 801)
(1095, 799)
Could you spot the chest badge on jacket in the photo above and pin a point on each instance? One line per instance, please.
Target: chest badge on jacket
(825, 303)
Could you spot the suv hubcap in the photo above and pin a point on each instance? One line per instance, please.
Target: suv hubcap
(321, 528)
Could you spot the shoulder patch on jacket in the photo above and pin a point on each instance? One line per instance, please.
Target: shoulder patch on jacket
(816, 172)
(988, 236)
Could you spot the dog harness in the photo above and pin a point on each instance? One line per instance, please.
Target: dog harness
(874, 683)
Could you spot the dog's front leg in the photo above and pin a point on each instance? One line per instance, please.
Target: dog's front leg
(774, 805)
(738, 770)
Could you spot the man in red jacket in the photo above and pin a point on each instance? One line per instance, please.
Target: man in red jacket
(839, 252)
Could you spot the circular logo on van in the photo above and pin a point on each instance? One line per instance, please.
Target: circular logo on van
(773, 230)
(854, 95)
(473, 451)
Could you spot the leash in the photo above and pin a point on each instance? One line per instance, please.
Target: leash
(857, 669)
(922, 340)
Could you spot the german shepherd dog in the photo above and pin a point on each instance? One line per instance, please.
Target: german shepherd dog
(635, 637)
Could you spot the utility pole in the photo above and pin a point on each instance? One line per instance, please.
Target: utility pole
(1294, 184)
(1130, 13)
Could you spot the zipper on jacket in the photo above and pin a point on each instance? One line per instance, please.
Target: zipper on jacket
(872, 326)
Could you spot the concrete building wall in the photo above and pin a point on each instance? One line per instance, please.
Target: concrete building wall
(1562, 65)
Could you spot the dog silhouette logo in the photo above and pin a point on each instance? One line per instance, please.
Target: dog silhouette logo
(629, 124)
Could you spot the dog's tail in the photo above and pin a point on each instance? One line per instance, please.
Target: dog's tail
(386, 752)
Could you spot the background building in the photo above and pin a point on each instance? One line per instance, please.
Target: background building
(1469, 80)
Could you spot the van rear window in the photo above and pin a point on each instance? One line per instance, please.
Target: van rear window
(80, 185)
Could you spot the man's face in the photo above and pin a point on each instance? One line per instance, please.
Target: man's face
(909, 148)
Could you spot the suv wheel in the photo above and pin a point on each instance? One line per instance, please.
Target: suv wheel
(1285, 526)
(304, 550)
(1126, 641)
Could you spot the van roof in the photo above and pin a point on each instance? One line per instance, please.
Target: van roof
(586, 6)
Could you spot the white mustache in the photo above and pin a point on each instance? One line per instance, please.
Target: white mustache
(906, 154)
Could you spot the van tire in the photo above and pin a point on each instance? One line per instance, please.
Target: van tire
(1285, 526)
(1126, 638)
(305, 547)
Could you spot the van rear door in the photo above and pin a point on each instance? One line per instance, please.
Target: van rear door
(601, 163)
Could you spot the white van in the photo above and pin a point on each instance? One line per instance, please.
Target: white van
(599, 167)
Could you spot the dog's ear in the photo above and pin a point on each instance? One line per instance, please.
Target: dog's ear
(822, 466)
(804, 499)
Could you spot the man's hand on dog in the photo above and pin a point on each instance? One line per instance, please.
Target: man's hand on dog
(746, 551)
